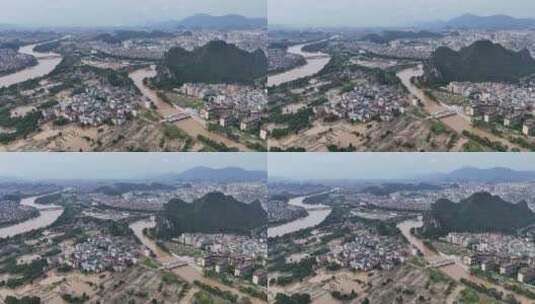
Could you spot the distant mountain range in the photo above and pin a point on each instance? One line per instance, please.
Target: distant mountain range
(471, 21)
(215, 62)
(481, 212)
(494, 22)
(471, 174)
(204, 21)
(480, 62)
(213, 213)
(230, 174)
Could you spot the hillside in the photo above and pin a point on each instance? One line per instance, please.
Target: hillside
(215, 62)
(481, 212)
(213, 213)
(480, 62)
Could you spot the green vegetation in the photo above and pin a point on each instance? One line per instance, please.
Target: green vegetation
(469, 296)
(253, 292)
(151, 263)
(316, 199)
(335, 148)
(482, 61)
(213, 146)
(170, 278)
(226, 295)
(123, 35)
(388, 36)
(296, 298)
(389, 188)
(215, 62)
(493, 145)
(23, 300)
(214, 212)
(118, 189)
(48, 104)
(25, 272)
(172, 132)
(343, 296)
(293, 271)
(438, 127)
(47, 47)
(481, 212)
(74, 299)
(491, 292)
(22, 126)
(295, 122)
(49, 199)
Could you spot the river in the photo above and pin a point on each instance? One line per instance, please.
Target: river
(316, 215)
(456, 271)
(46, 62)
(458, 122)
(48, 214)
(315, 62)
(194, 125)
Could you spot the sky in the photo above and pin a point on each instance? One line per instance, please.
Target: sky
(309, 166)
(119, 12)
(37, 166)
(379, 13)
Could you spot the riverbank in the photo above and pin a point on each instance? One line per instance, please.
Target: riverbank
(315, 62)
(48, 214)
(7, 72)
(316, 215)
(46, 63)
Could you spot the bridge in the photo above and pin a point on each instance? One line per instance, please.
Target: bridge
(319, 56)
(443, 114)
(440, 261)
(176, 117)
(173, 264)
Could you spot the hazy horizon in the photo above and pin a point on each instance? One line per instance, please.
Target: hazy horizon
(387, 13)
(79, 166)
(103, 13)
(381, 166)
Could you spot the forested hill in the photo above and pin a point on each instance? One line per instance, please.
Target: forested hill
(481, 212)
(212, 213)
(215, 62)
(480, 62)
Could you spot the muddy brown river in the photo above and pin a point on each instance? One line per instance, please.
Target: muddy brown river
(46, 64)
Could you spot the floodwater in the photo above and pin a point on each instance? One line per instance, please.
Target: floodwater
(46, 64)
(456, 271)
(315, 62)
(458, 122)
(194, 125)
(316, 215)
(48, 214)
